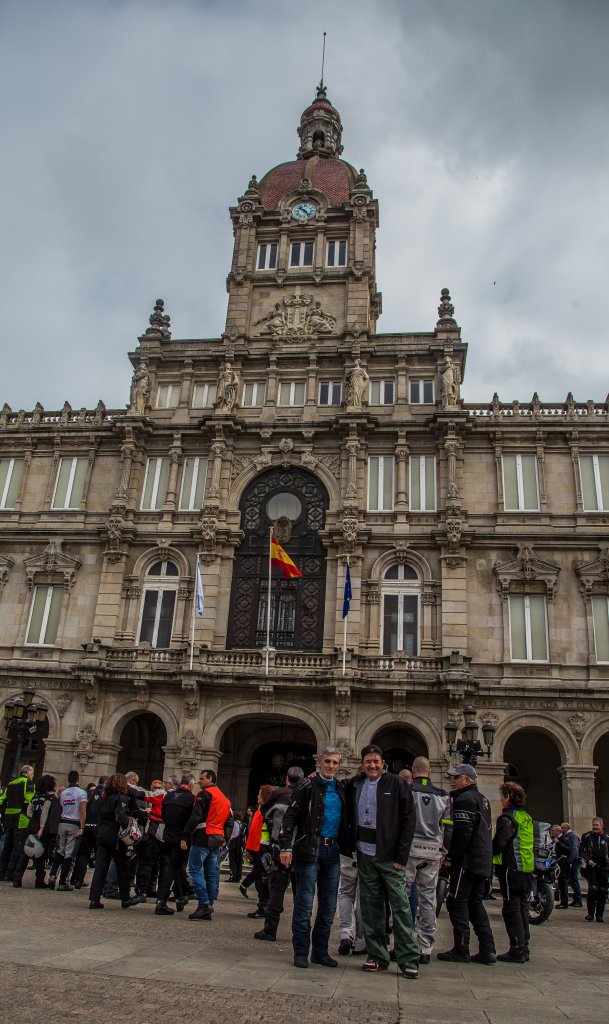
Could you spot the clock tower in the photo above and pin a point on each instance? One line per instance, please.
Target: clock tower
(303, 264)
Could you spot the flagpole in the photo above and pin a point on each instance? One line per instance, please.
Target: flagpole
(268, 606)
(194, 605)
(345, 617)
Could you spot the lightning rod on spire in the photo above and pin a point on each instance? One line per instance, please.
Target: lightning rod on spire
(323, 58)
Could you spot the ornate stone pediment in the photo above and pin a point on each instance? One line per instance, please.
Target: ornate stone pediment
(296, 316)
(592, 575)
(50, 566)
(526, 569)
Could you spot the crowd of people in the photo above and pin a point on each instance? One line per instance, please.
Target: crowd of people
(372, 845)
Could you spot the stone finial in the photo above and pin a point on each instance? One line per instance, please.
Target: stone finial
(159, 322)
(446, 310)
(253, 187)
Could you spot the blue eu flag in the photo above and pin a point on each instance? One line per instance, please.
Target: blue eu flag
(348, 593)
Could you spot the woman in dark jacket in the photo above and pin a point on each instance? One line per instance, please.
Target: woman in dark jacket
(113, 815)
(43, 813)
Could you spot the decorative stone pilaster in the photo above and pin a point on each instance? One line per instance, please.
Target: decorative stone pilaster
(578, 795)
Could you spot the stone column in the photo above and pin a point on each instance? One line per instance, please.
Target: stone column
(60, 758)
(175, 457)
(402, 454)
(579, 801)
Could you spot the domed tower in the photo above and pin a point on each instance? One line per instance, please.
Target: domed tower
(304, 257)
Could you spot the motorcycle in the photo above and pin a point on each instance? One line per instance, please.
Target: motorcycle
(541, 900)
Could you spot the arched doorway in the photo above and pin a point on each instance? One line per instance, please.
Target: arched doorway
(601, 780)
(32, 752)
(294, 503)
(400, 744)
(142, 740)
(533, 760)
(258, 749)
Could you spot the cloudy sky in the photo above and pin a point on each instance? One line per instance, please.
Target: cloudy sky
(129, 127)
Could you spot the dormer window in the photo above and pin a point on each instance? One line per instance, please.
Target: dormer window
(301, 254)
(267, 256)
(337, 253)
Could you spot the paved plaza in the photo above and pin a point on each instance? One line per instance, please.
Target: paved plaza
(62, 962)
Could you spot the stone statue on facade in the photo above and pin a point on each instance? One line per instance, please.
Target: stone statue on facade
(451, 379)
(228, 382)
(355, 386)
(141, 387)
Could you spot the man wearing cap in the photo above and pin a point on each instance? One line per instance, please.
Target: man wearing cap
(470, 857)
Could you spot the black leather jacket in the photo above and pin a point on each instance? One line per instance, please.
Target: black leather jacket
(471, 845)
(305, 814)
(396, 816)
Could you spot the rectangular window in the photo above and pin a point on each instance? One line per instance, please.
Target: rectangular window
(380, 483)
(193, 484)
(157, 617)
(267, 256)
(291, 393)
(600, 617)
(167, 396)
(400, 624)
(422, 483)
(44, 616)
(70, 483)
(203, 396)
(381, 392)
(528, 627)
(11, 475)
(337, 254)
(594, 473)
(301, 254)
(520, 493)
(421, 391)
(155, 484)
(330, 392)
(254, 393)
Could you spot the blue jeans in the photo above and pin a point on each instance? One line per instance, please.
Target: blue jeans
(204, 871)
(325, 874)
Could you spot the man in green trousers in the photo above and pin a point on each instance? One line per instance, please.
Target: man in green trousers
(381, 819)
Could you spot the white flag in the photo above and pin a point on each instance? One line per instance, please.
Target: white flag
(199, 592)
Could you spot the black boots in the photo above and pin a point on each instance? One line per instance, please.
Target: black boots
(202, 913)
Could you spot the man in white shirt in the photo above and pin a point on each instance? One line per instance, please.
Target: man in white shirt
(73, 801)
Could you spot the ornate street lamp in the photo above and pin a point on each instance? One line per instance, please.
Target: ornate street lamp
(469, 748)
(22, 719)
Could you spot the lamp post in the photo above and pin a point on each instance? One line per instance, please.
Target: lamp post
(22, 719)
(469, 747)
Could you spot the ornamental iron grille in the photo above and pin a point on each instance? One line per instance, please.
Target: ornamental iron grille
(294, 503)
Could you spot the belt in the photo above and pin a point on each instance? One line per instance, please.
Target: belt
(324, 841)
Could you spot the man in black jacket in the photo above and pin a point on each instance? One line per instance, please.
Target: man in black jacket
(273, 811)
(89, 838)
(567, 855)
(313, 831)
(470, 856)
(381, 818)
(175, 812)
(594, 850)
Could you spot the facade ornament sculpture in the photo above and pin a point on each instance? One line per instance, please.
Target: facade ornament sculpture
(63, 703)
(446, 310)
(66, 414)
(159, 322)
(6, 565)
(51, 561)
(356, 381)
(343, 705)
(5, 415)
(451, 379)
(141, 387)
(187, 743)
(296, 317)
(578, 725)
(228, 383)
(267, 698)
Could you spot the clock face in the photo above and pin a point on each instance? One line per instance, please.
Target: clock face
(304, 211)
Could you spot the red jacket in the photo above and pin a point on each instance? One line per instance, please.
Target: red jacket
(156, 801)
(255, 833)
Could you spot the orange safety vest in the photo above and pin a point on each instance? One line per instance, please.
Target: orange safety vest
(219, 810)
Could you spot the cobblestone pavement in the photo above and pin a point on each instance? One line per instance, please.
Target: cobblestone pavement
(61, 962)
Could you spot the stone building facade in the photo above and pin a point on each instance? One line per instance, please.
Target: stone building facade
(477, 535)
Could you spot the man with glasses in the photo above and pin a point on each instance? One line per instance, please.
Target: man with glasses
(312, 830)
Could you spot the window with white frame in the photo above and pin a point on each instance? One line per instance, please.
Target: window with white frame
(11, 475)
(330, 392)
(254, 392)
(203, 396)
(267, 256)
(291, 392)
(158, 604)
(422, 483)
(401, 592)
(70, 483)
(336, 253)
(520, 490)
(192, 490)
(155, 484)
(421, 391)
(44, 616)
(600, 619)
(528, 627)
(380, 483)
(594, 474)
(381, 392)
(167, 396)
(301, 254)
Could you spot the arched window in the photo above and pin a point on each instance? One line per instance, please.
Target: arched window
(158, 604)
(401, 594)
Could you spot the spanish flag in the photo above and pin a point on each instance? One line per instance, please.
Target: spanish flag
(281, 560)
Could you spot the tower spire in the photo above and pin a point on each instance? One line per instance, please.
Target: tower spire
(323, 60)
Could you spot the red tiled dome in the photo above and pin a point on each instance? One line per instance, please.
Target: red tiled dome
(329, 175)
(320, 105)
